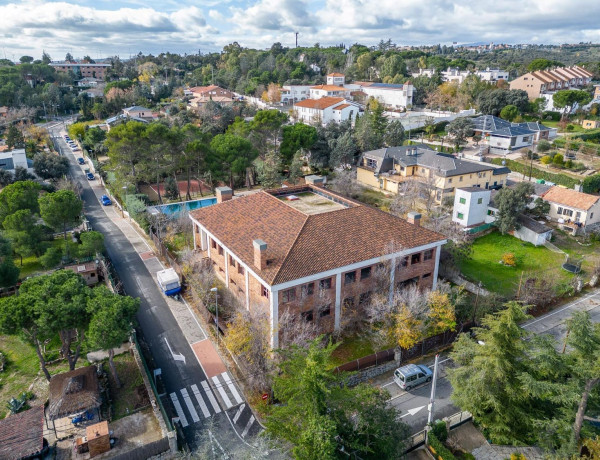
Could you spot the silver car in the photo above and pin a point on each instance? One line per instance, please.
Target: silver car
(412, 375)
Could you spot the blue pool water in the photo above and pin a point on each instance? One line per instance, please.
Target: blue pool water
(186, 206)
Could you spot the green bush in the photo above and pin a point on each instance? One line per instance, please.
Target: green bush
(558, 159)
(440, 431)
(561, 179)
(441, 451)
(546, 160)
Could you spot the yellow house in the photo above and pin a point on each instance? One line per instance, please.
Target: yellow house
(590, 124)
(387, 169)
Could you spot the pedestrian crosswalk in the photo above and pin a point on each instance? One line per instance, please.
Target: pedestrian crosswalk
(201, 401)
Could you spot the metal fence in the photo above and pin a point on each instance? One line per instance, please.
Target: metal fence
(453, 421)
(420, 349)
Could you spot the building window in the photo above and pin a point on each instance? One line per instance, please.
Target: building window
(264, 292)
(460, 215)
(415, 258)
(289, 295)
(220, 250)
(428, 255)
(490, 212)
(567, 212)
(325, 311)
(450, 180)
(349, 277)
(213, 244)
(462, 200)
(365, 273)
(371, 163)
(325, 284)
(231, 261)
(240, 269)
(479, 200)
(403, 263)
(307, 316)
(460, 179)
(426, 275)
(307, 289)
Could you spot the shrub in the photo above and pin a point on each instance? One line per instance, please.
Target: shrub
(509, 259)
(438, 448)
(51, 257)
(570, 127)
(543, 146)
(440, 430)
(546, 160)
(558, 159)
(561, 179)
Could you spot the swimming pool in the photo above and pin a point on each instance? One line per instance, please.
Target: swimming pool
(185, 206)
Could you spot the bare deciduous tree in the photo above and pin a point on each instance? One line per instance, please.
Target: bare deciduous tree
(345, 183)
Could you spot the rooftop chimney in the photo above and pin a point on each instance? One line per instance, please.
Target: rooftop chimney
(224, 194)
(260, 254)
(413, 217)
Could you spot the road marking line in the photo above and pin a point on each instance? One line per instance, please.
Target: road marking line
(248, 425)
(200, 400)
(238, 413)
(221, 391)
(231, 386)
(190, 406)
(211, 397)
(541, 318)
(179, 410)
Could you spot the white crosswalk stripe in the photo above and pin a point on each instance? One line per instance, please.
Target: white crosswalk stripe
(211, 397)
(232, 388)
(221, 391)
(200, 400)
(190, 406)
(179, 410)
(248, 425)
(238, 413)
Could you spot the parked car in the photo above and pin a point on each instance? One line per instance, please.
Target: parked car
(90, 176)
(412, 375)
(81, 161)
(105, 200)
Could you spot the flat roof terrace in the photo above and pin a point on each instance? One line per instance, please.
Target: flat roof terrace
(310, 202)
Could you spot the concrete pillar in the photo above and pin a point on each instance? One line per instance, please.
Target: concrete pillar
(274, 301)
(338, 302)
(437, 266)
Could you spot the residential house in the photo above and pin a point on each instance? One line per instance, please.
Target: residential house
(454, 74)
(573, 210)
(203, 94)
(9, 160)
(503, 136)
(475, 210)
(390, 95)
(336, 79)
(3, 111)
(438, 173)
(89, 271)
(294, 93)
(88, 82)
(492, 75)
(325, 109)
(547, 81)
(320, 91)
(22, 435)
(82, 69)
(137, 111)
(312, 253)
(590, 124)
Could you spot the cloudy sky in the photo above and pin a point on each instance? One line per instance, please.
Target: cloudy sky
(123, 27)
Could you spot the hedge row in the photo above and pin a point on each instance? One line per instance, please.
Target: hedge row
(439, 451)
(561, 179)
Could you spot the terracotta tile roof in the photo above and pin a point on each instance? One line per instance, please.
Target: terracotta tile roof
(572, 198)
(21, 435)
(329, 87)
(335, 74)
(343, 106)
(73, 392)
(320, 104)
(300, 245)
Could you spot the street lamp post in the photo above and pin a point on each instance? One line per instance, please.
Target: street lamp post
(215, 290)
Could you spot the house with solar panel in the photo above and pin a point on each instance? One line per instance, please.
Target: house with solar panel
(503, 136)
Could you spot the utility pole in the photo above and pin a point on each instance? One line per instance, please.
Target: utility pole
(432, 398)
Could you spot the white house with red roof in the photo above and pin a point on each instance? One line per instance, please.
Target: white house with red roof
(572, 209)
(325, 109)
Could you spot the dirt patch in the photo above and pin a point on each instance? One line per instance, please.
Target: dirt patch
(132, 395)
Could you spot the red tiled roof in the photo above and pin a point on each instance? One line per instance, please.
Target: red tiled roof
(569, 197)
(21, 435)
(335, 74)
(340, 107)
(329, 87)
(320, 104)
(299, 244)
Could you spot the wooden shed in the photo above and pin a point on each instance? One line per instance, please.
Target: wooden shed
(98, 438)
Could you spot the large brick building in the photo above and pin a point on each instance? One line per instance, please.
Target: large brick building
(83, 69)
(311, 252)
(550, 80)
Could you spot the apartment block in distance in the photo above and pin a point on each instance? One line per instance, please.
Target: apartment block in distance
(311, 252)
(550, 80)
(82, 69)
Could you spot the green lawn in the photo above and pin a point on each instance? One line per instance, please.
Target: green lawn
(352, 348)
(32, 265)
(484, 264)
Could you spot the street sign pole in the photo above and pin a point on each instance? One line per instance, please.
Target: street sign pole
(432, 398)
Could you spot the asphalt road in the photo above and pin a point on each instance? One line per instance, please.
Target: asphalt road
(157, 323)
(552, 323)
